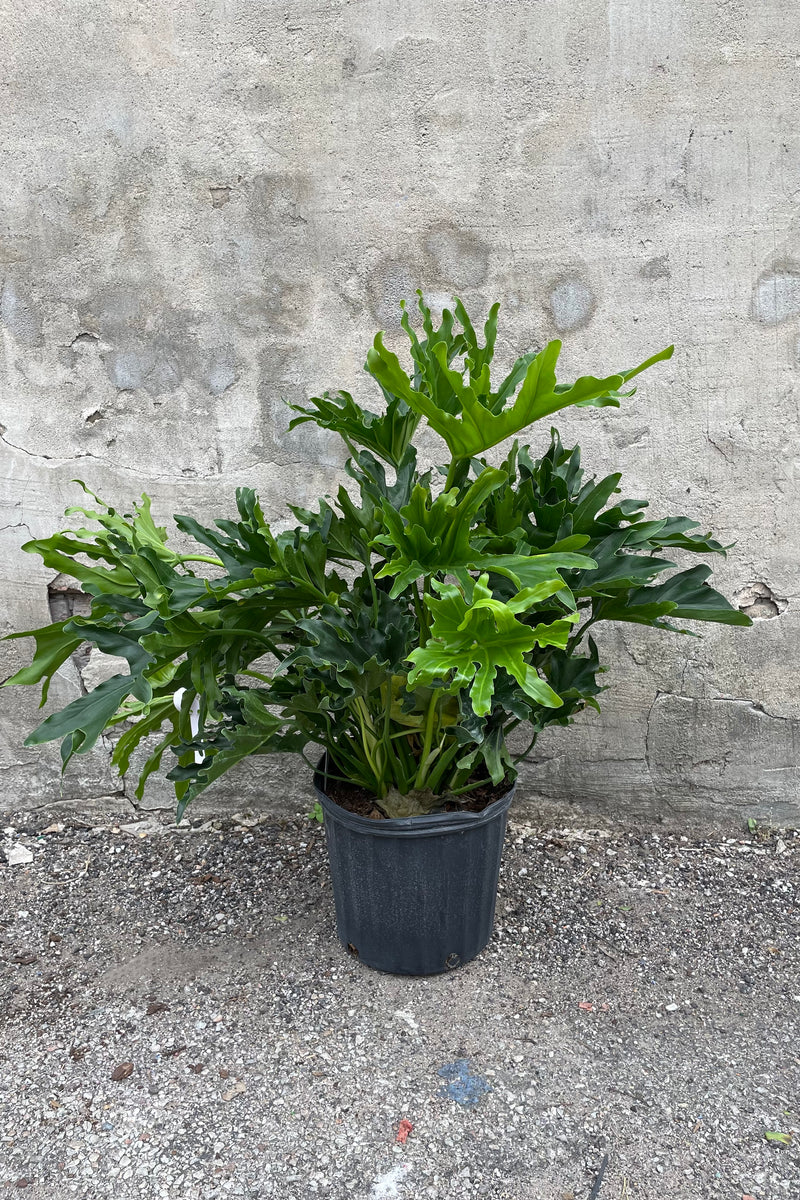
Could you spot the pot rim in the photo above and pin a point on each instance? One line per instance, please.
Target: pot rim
(424, 825)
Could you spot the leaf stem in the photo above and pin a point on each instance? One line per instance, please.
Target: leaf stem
(426, 745)
(419, 607)
(526, 752)
(576, 638)
(470, 787)
(452, 473)
(374, 591)
(206, 558)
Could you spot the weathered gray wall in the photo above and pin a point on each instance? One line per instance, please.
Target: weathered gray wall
(210, 207)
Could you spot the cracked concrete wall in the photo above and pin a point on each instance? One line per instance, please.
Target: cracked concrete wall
(207, 209)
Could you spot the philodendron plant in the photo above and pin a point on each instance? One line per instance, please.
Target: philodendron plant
(410, 625)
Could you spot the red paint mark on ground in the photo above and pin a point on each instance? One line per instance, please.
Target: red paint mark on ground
(404, 1129)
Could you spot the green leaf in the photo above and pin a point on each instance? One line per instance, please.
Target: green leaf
(53, 648)
(388, 435)
(150, 721)
(674, 532)
(616, 569)
(591, 500)
(122, 642)
(685, 596)
(783, 1139)
(94, 580)
(494, 753)
(534, 571)
(153, 763)
(121, 542)
(433, 536)
(475, 640)
(241, 546)
(574, 677)
(81, 722)
(480, 423)
(352, 652)
(246, 743)
(477, 357)
(255, 735)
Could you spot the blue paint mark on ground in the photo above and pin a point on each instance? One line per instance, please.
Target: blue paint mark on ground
(463, 1087)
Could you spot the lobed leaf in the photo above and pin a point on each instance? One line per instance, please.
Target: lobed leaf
(465, 413)
(388, 435)
(471, 640)
(53, 647)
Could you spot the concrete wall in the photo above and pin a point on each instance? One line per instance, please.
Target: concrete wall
(207, 208)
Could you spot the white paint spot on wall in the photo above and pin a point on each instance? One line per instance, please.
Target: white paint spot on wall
(437, 302)
(389, 282)
(127, 370)
(777, 296)
(572, 303)
(17, 316)
(221, 374)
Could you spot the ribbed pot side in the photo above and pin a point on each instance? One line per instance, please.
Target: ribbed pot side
(416, 895)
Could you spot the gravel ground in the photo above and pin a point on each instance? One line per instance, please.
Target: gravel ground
(179, 1020)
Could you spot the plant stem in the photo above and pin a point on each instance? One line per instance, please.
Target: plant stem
(366, 736)
(452, 472)
(419, 607)
(575, 640)
(442, 763)
(426, 745)
(470, 787)
(524, 755)
(390, 758)
(374, 591)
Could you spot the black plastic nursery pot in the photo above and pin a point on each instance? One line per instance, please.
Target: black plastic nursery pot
(414, 895)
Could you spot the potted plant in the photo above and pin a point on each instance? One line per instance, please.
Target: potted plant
(408, 627)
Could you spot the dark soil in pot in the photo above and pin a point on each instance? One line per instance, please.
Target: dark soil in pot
(366, 804)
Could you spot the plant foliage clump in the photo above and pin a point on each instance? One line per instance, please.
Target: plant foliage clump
(410, 625)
